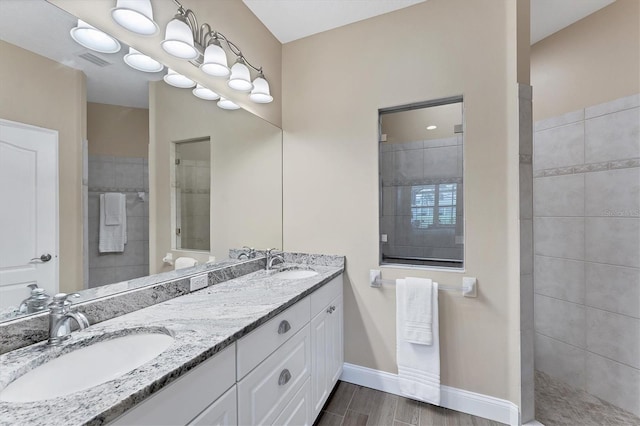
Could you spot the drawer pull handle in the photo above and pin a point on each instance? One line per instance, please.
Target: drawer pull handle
(284, 327)
(284, 378)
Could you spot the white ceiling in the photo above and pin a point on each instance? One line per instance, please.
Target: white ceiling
(288, 20)
(550, 16)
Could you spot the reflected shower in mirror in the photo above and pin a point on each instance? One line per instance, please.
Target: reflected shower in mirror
(192, 194)
(421, 181)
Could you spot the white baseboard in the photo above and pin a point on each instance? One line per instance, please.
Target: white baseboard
(461, 400)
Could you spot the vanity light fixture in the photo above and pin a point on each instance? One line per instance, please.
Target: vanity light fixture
(135, 16)
(227, 104)
(142, 62)
(240, 78)
(178, 80)
(204, 93)
(215, 59)
(202, 46)
(92, 38)
(432, 127)
(260, 92)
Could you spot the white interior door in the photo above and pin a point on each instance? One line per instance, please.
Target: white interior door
(28, 211)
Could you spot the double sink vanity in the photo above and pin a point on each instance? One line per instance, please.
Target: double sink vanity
(265, 347)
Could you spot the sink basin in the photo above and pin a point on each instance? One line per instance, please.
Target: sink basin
(86, 367)
(293, 274)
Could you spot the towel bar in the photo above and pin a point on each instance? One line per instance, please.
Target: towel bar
(468, 289)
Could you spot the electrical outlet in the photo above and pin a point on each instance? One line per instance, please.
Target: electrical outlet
(198, 282)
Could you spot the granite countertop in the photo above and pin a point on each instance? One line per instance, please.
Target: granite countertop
(202, 324)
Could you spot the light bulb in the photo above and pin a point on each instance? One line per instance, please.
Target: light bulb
(260, 93)
(136, 16)
(227, 104)
(178, 80)
(240, 78)
(178, 39)
(92, 38)
(204, 93)
(215, 61)
(142, 62)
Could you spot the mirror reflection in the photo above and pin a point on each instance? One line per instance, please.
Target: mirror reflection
(421, 185)
(110, 140)
(192, 180)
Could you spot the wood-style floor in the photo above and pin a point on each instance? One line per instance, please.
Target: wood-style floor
(352, 405)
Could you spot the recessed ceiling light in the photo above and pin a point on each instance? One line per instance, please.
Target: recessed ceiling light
(432, 127)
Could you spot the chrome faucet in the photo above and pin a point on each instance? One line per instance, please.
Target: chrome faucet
(60, 316)
(271, 258)
(248, 252)
(38, 300)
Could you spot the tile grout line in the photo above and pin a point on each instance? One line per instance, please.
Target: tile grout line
(587, 350)
(585, 261)
(584, 304)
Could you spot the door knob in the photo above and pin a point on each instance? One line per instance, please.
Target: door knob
(42, 259)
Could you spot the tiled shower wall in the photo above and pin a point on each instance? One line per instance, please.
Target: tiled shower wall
(127, 175)
(427, 162)
(195, 189)
(586, 169)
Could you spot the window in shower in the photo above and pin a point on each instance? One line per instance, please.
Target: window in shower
(421, 184)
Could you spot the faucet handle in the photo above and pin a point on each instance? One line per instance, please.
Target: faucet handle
(61, 299)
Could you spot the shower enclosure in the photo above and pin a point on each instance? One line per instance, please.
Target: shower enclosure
(586, 211)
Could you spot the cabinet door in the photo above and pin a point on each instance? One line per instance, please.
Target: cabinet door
(320, 339)
(298, 411)
(335, 355)
(223, 412)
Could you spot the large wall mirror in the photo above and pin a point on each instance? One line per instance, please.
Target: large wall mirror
(134, 121)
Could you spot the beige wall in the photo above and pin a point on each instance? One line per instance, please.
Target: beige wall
(595, 60)
(44, 93)
(117, 130)
(231, 17)
(246, 173)
(436, 49)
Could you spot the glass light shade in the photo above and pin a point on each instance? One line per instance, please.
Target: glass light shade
(178, 40)
(204, 93)
(142, 62)
(260, 93)
(94, 39)
(240, 79)
(178, 80)
(136, 16)
(227, 104)
(215, 61)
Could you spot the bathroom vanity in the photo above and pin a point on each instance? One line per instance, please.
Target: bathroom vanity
(258, 349)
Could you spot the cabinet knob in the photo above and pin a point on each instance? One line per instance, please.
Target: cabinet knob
(284, 327)
(330, 309)
(284, 378)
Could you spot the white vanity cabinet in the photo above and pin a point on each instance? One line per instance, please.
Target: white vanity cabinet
(327, 345)
(281, 373)
(183, 400)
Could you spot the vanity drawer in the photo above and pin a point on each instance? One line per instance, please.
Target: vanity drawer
(298, 411)
(267, 390)
(182, 400)
(325, 294)
(257, 345)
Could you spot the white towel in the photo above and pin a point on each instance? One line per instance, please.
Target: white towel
(418, 365)
(112, 237)
(113, 211)
(417, 308)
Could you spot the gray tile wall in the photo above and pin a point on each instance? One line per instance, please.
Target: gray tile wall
(586, 207)
(527, 332)
(129, 176)
(403, 165)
